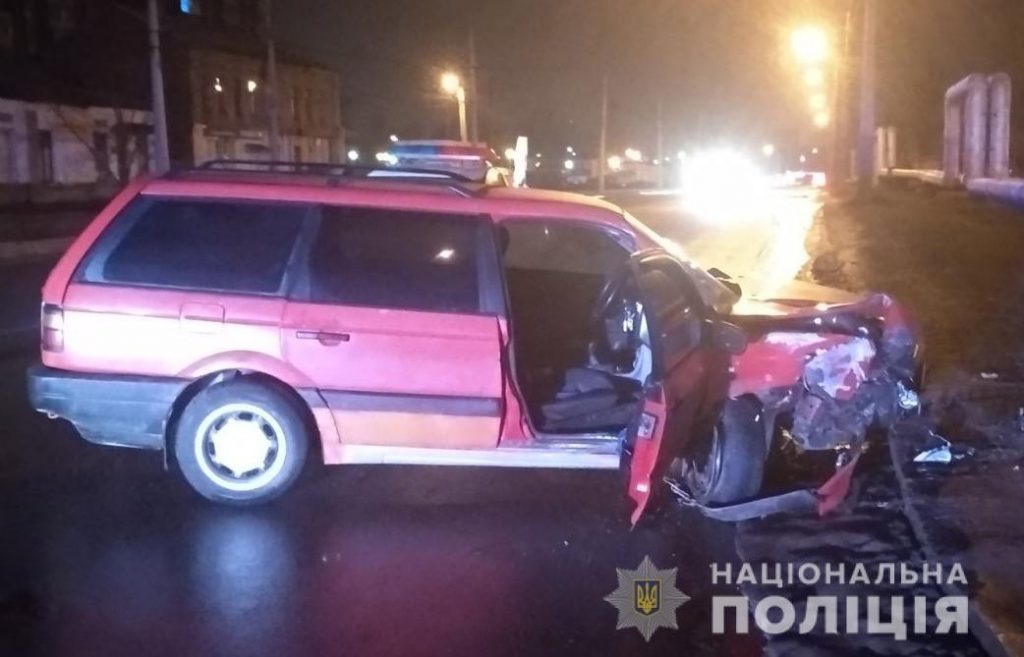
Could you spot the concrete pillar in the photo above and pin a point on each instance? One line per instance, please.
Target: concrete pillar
(965, 126)
(890, 147)
(975, 131)
(951, 143)
(880, 149)
(999, 91)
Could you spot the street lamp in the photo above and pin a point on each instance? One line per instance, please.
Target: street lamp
(452, 85)
(810, 44)
(768, 150)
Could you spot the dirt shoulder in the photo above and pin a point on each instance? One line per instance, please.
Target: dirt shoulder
(958, 264)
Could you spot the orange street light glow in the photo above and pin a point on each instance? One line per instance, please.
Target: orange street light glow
(810, 44)
(814, 77)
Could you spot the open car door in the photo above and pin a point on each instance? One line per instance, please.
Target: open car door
(689, 377)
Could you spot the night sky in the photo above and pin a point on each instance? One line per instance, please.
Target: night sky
(722, 68)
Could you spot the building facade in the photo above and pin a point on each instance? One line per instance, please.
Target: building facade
(230, 110)
(49, 143)
(74, 79)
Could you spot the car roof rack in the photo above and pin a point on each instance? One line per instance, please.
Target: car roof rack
(337, 174)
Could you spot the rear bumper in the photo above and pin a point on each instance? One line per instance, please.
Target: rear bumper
(107, 409)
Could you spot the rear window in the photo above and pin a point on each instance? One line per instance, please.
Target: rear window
(200, 244)
(396, 259)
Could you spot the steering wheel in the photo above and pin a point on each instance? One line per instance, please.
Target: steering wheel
(609, 293)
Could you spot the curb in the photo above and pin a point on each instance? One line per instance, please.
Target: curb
(12, 251)
(978, 623)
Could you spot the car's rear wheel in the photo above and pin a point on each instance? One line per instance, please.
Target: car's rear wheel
(241, 442)
(728, 465)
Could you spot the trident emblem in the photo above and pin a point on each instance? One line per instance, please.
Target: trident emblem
(647, 598)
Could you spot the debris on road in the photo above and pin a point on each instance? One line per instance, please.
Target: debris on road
(907, 398)
(989, 376)
(939, 450)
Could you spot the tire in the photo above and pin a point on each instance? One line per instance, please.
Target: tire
(262, 436)
(728, 466)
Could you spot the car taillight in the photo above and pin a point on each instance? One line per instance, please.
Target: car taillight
(51, 324)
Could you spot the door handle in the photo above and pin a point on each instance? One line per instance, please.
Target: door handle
(325, 338)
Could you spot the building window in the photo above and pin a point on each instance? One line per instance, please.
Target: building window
(62, 16)
(230, 12)
(101, 154)
(251, 87)
(46, 156)
(194, 7)
(6, 157)
(240, 94)
(220, 108)
(6, 31)
(251, 16)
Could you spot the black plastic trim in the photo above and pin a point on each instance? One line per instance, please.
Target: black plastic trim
(107, 409)
(340, 400)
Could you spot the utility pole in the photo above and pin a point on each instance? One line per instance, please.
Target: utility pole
(840, 107)
(602, 155)
(460, 95)
(273, 120)
(474, 92)
(866, 133)
(660, 155)
(156, 80)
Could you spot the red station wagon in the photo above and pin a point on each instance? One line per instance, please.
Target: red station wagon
(238, 318)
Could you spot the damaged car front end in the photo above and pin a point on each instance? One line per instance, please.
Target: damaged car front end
(822, 376)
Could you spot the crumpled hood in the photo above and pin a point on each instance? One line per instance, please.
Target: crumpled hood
(785, 333)
(795, 298)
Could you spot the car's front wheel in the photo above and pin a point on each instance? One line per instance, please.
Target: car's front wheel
(241, 442)
(728, 465)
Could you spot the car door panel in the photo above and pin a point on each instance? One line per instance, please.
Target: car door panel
(400, 377)
(391, 324)
(690, 378)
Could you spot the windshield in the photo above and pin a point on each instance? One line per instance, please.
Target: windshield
(714, 293)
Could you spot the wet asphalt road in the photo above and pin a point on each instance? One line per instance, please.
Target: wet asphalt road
(102, 552)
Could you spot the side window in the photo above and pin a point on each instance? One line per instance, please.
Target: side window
(199, 244)
(397, 259)
(675, 306)
(554, 246)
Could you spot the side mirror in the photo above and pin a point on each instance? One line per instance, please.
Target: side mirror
(726, 280)
(728, 337)
(719, 274)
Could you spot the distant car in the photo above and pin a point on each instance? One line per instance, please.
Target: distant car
(474, 161)
(238, 319)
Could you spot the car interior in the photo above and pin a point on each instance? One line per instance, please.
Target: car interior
(581, 350)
